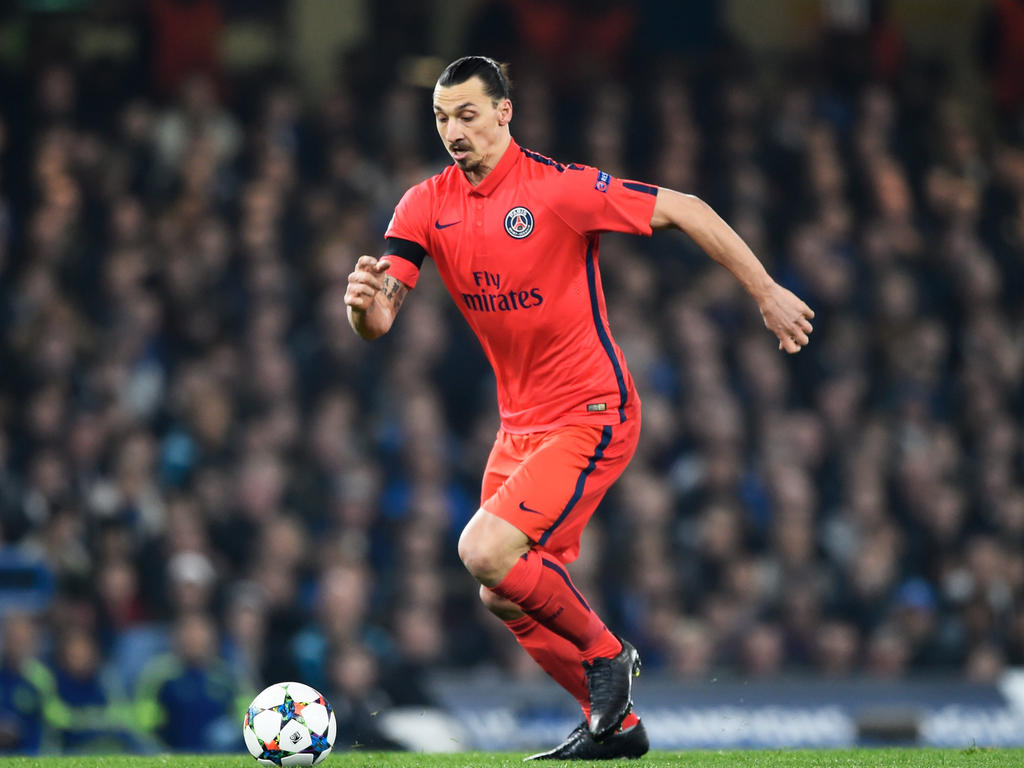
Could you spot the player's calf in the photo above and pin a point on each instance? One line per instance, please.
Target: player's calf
(504, 609)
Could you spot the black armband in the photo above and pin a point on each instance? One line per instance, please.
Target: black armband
(405, 249)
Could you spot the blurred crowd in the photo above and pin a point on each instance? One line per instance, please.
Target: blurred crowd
(208, 483)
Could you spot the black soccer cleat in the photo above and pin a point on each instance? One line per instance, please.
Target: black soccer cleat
(610, 682)
(580, 745)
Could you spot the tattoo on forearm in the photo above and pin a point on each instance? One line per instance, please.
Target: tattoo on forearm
(392, 292)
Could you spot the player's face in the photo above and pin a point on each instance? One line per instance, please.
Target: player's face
(470, 124)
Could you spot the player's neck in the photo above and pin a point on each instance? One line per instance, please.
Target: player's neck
(490, 161)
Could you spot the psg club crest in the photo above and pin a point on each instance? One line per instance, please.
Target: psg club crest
(519, 222)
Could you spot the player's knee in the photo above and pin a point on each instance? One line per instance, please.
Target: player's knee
(479, 558)
(504, 609)
(489, 547)
(487, 562)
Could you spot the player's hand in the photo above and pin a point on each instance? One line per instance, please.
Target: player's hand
(787, 317)
(365, 282)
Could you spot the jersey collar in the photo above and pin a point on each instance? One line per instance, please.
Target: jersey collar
(493, 179)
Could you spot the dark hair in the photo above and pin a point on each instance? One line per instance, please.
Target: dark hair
(494, 75)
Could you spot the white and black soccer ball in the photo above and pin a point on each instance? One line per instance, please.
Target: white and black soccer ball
(289, 724)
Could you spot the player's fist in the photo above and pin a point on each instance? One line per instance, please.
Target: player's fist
(365, 282)
(787, 317)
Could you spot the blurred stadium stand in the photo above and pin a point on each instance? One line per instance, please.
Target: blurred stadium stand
(204, 470)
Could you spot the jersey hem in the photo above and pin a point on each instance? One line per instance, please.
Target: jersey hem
(606, 418)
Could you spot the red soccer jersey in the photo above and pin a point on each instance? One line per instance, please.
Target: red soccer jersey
(518, 253)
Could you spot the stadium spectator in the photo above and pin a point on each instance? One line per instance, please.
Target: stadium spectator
(190, 698)
(419, 648)
(354, 690)
(86, 708)
(342, 606)
(246, 647)
(24, 685)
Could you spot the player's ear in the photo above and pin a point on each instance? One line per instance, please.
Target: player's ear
(504, 112)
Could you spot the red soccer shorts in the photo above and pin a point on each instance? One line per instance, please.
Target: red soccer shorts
(548, 484)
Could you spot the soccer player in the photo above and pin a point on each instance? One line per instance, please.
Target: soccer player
(514, 236)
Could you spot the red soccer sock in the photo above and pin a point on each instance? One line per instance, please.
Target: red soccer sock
(555, 655)
(541, 587)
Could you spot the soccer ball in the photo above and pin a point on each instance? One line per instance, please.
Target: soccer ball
(289, 724)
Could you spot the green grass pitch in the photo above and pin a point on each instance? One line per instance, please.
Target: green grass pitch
(839, 758)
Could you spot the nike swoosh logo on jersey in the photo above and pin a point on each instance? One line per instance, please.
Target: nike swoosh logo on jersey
(439, 225)
(522, 506)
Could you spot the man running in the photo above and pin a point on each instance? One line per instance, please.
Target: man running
(514, 236)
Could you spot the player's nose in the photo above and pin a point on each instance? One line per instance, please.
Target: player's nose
(452, 132)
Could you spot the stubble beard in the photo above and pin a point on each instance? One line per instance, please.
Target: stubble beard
(474, 166)
(470, 166)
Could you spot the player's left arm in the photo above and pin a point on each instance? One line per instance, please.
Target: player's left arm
(784, 313)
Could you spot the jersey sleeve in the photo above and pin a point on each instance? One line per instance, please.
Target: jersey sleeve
(590, 200)
(405, 241)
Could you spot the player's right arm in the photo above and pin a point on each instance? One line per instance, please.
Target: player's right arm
(373, 297)
(377, 287)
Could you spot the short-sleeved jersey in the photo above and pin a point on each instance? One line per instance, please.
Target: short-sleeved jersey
(519, 255)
